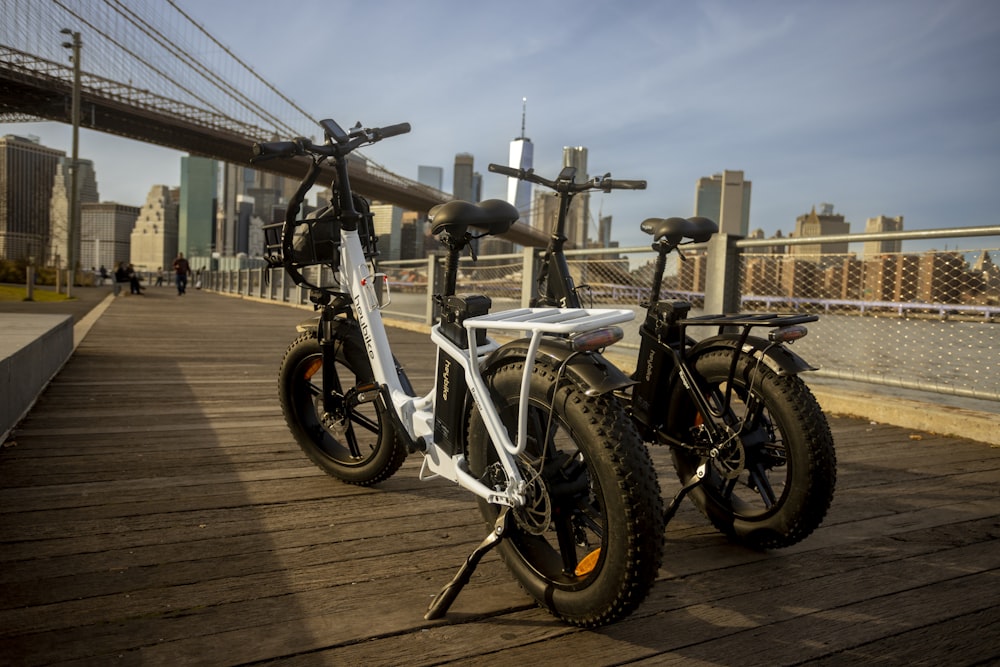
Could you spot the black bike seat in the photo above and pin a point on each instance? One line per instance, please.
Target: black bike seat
(676, 230)
(493, 216)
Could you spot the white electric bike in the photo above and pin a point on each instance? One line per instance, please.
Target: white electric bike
(532, 427)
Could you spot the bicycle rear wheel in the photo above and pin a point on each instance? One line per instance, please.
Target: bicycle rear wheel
(774, 480)
(588, 544)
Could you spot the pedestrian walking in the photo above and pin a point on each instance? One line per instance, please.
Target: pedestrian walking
(121, 277)
(182, 270)
(133, 280)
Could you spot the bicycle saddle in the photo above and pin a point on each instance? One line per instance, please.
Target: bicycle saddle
(676, 230)
(493, 216)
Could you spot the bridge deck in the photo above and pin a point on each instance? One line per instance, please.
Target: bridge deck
(153, 510)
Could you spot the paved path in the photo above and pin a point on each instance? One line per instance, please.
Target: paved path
(154, 511)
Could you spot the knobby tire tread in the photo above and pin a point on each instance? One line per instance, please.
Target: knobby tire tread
(390, 465)
(614, 439)
(815, 447)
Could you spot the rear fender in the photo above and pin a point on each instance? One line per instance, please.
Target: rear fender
(777, 357)
(589, 370)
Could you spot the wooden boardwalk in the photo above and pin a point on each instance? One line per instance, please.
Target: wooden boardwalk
(154, 511)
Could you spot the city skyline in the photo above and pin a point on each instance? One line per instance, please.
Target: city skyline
(880, 108)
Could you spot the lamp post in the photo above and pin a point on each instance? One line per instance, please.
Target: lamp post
(74, 197)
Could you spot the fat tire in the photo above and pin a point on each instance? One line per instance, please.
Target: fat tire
(623, 485)
(381, 453)
(810, 472)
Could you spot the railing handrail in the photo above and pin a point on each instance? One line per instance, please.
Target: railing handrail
(924, 234)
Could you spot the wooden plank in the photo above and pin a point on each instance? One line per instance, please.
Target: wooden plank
(154, 510)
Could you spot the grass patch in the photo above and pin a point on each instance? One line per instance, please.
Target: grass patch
(18, 293)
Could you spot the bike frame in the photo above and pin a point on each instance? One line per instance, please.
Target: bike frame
(416, 415)
(664, 345)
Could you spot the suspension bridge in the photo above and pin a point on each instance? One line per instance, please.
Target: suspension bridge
(140, 79)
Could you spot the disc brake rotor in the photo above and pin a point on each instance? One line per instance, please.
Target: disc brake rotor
(535, 515)
(730, 458)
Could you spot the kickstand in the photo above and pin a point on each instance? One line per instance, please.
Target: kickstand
(695, 480)
(439, 607)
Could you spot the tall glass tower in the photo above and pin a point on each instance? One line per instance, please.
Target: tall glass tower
(521, 153)
(725, 198)
(196, 216)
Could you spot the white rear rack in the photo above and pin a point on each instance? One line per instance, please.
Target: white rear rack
(537, 321)
(551, 320)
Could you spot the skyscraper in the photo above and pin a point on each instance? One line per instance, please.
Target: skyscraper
(154, 237)
(578, 218)
(521, 155)
(725, 198)
(105, 233)
(824, 223)
(389, 229)
(883, 223)
(464, 179)
(196, 216)
(27, 174)
(59, 207)
(432, 176)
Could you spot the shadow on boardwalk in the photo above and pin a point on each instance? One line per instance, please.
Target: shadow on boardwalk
(154, 511)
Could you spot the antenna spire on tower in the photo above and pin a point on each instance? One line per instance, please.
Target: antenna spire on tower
(524, 112)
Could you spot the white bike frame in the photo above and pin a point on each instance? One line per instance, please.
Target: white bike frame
(417, 413)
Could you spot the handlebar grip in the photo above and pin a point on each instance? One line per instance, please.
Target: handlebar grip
(624, 184)
(267, 150)
(513, 172)
(393, 130)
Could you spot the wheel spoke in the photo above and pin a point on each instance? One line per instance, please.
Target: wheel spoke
(352, 438)
(759, 480)
(564, 534)
(365, 422)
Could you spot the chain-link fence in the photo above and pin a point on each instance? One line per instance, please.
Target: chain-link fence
(917, 319)
(921, 320)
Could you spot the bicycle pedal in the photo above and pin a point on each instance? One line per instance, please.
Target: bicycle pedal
(363, 393)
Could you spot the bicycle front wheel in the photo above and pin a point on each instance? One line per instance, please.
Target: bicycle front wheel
(357, 444)
(588, 544)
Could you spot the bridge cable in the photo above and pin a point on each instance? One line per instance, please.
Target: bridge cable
(140, 59)
(245, 66)
(206, 73)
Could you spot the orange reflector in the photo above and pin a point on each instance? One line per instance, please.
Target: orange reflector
(587, 565)
(313, 366)
(596, 339)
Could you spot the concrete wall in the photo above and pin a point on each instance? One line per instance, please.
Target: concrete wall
(32, 350)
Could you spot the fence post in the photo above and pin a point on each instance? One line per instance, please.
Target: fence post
(432, 282)
(528, 269)
(722, 284)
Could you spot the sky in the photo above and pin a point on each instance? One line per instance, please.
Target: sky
(880, 107)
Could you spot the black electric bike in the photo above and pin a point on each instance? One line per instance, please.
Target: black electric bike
(532, 429)
(749, 441)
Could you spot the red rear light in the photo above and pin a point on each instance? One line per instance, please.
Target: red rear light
(596, 339)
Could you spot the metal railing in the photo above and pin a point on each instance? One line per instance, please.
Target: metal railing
(927, 320)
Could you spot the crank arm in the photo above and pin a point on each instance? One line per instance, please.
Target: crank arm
(444, 599)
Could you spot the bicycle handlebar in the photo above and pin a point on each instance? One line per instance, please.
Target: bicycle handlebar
(605, 183)
(338, 142)
(269, 150)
